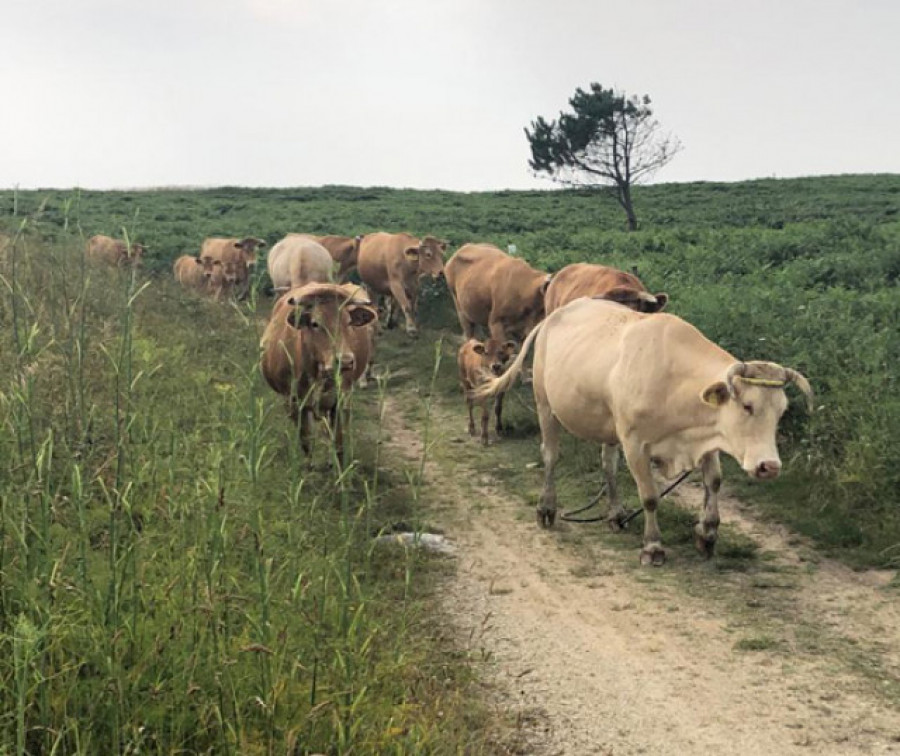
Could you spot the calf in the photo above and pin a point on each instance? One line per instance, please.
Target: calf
(196, 273)
(237, 256)
(478, 363)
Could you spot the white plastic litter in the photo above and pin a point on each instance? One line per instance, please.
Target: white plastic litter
(428, 541)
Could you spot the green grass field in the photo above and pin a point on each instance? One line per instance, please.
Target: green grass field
(175, 576)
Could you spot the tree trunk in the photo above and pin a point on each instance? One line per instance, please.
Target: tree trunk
(624, 194)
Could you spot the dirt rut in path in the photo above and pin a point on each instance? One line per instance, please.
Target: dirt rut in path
(591, 655)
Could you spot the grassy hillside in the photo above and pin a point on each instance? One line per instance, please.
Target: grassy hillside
(800, 271)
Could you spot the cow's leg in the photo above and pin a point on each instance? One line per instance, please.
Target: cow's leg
(609, 453)
(550, 427)
(400, 296)
(485, 417)
(469, 406)
(498, 413)
(305, 422)
(639, 463)
(707, 530)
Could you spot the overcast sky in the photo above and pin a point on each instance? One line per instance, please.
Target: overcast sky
(433, 93)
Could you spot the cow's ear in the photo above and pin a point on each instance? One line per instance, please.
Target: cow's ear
(443, 245)
(716, 394)
(360, 316)
(239, 244)
(545, 284)
(412, 254)
(479, 348)
(662, 299)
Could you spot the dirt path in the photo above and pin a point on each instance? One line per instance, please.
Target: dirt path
(591, 655)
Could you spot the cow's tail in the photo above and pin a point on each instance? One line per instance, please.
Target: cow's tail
(502, 383)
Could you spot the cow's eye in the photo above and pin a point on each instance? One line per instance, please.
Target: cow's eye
(748, 408)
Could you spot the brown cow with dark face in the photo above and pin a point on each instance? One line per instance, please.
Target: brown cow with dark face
(315, 347)
(490, 288)
(237, 257)
(480, 362)
(588, 280)
(105, 249)
(392, 264)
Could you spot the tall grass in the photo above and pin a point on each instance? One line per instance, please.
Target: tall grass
(175, 576)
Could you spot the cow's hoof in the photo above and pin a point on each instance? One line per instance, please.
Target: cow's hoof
(472, 431)
(485, 441)
(653, 555)
(705, 543)
(546, 517)
(617, 522)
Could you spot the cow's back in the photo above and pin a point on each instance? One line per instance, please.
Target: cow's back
(487, 284)
(101, 248)
(381, 256)
(188, 272)
(219, 248)
(297, 260)
(469, 263)
(592, 280)
(602, 366)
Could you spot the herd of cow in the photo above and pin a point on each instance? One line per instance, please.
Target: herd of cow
(608, 366)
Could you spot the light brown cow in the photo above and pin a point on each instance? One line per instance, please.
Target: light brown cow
(392, 264)
(659, 388)
(589, 280)
(314, 348)
(196, 273)
(297, 260)
(105, 249)
(498, 291)
(478, 363)
(237, 257)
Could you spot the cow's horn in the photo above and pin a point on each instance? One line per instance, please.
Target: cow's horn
(793, 376)
(738, 369)
(646, 296)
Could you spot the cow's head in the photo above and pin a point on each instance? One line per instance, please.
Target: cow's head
(248, 246)
(135, 254)
(208, 265)
(324, 314)
(428, 256)
(750, 402)
(637, 299)
(495, 356)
